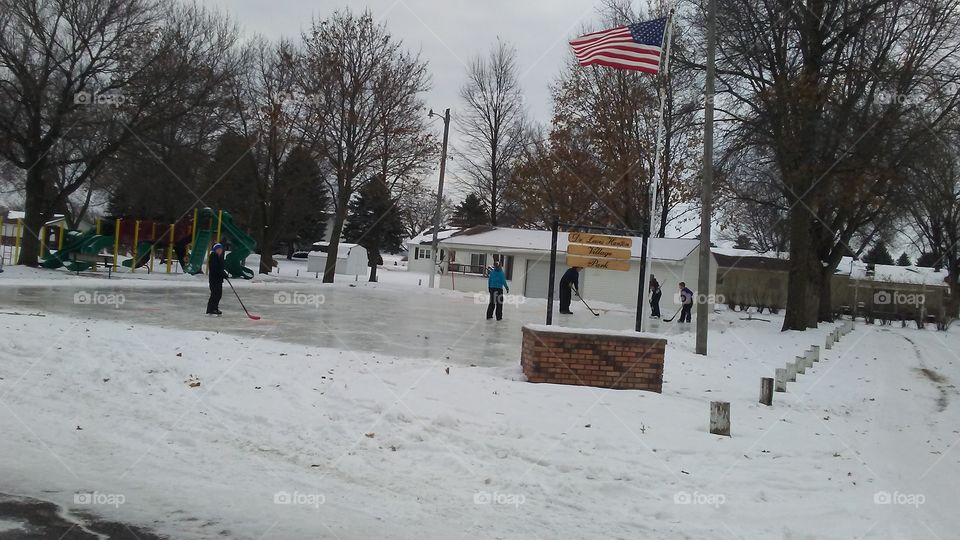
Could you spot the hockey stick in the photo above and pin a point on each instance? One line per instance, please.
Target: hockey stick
(674, 316)
(595, 313)
(251, 315)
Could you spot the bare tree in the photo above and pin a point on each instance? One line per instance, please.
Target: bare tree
(365, 90)
(492, 125)
(418, 204)
(97, 71)
(831, 91)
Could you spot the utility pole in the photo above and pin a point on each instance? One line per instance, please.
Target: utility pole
(703, 286)
(434, 251)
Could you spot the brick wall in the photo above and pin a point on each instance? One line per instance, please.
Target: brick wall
(592, 359)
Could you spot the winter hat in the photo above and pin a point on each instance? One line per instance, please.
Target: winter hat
(217, 245)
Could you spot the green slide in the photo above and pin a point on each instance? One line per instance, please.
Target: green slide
(241, 246)
(198, 253)
(77, 242)
(143, 255)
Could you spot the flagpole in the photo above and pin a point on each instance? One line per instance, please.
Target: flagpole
(657, 172)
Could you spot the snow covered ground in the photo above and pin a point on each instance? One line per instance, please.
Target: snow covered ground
(339, 419)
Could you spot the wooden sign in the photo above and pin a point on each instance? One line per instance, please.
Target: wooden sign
(598, 263)
(600, 240)
(599, 251)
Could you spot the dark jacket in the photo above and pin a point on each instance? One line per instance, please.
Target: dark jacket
(216, 271)
(571, 278)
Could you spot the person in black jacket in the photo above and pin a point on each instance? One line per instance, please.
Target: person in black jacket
(570, 280)
(216, 274)
(655, 294)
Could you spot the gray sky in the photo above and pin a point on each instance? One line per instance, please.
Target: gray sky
(449, 33)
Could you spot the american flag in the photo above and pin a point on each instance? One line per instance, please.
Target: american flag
(634, 47)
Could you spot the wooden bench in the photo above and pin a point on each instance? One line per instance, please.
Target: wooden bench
(93, 259)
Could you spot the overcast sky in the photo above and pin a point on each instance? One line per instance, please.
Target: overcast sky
(449, 33)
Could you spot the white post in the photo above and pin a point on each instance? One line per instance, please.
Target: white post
(801, 364)
(645, 282)
(720, 418)
(815, 353)
(781, 378)
(791, 372)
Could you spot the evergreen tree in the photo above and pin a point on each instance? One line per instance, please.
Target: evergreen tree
(470, 213)
(375, 222)
(743, 242)
(878, 254)
(930, 260)
(904, 260)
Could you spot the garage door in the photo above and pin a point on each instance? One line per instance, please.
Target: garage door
(538, 276)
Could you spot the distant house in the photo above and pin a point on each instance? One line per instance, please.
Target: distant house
(749, 279)
(525, 255)
(12, 228)
(420, 250)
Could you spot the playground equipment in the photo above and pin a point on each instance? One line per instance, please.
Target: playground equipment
(198, 235)
(219, 224)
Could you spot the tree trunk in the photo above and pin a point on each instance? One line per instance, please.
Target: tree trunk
(814, 289)
(796, 312)
(34, 219)
(330, 268)
(826, 296)
(266, 250)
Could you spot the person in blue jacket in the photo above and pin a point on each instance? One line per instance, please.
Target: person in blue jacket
(496, 284)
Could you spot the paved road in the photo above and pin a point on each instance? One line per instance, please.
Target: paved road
(25, 518)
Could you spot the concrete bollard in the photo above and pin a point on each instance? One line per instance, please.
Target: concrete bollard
(801, 364)
(766, 391)
(828, 342)
(791, 372)
(781, 379)
(815, 353)
(720, 418)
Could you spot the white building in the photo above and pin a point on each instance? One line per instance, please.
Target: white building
(420, 250)
(351, 259)
(526, 260)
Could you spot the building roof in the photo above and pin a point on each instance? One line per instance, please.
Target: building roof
(426, 237)
(506, 239)
(751, 260)
(892, 274)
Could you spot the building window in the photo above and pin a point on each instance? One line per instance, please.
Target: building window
(421, 253)
(478, 260)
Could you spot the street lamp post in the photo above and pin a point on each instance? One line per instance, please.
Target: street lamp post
(434, 251)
